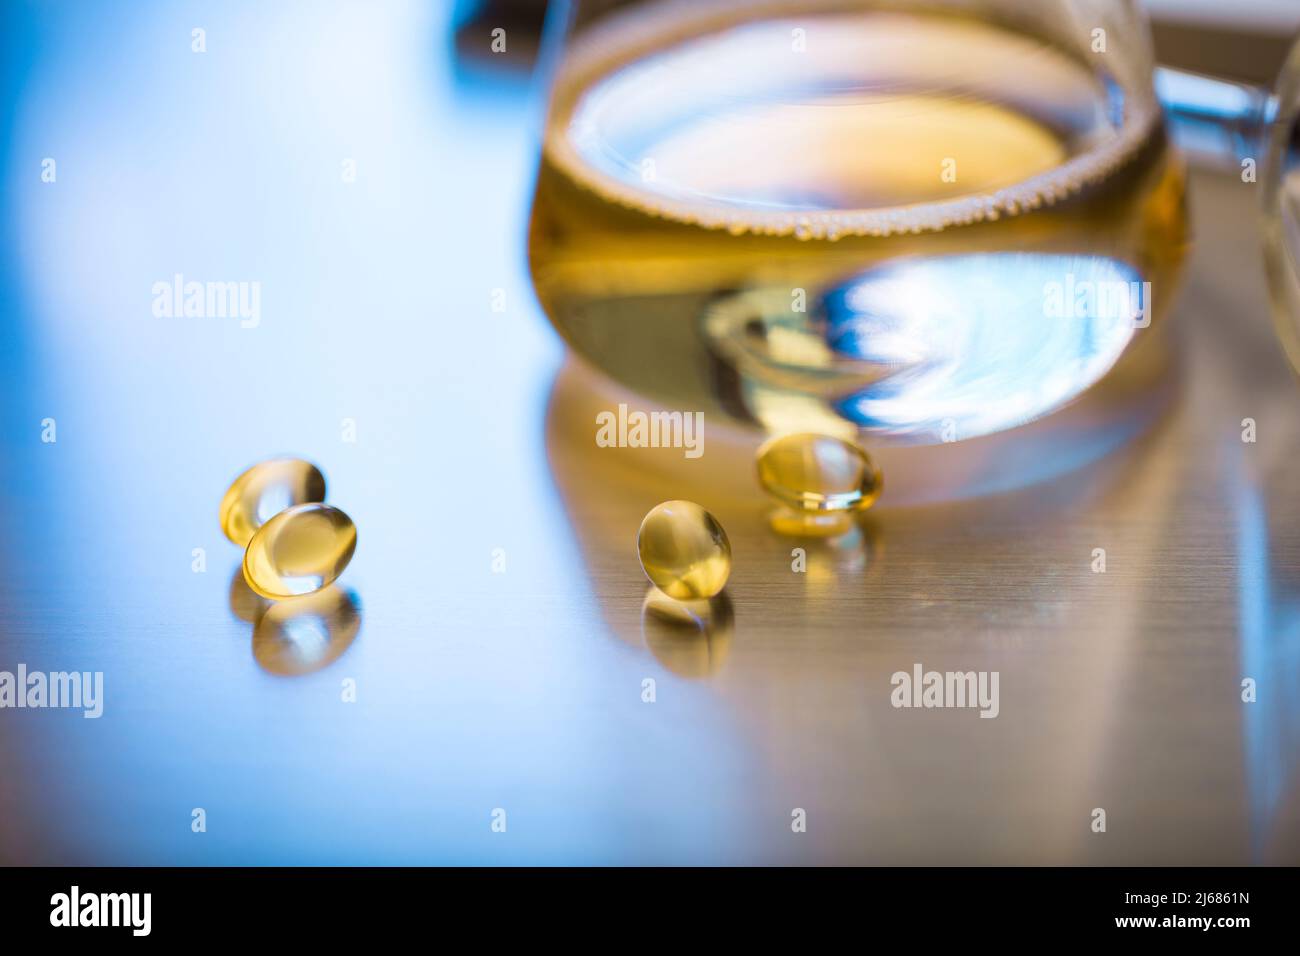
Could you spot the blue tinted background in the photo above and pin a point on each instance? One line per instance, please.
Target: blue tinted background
(523, 690)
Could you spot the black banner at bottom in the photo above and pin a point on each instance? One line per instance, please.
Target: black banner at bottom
(332, 905)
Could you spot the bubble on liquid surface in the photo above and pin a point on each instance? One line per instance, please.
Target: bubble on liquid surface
(818, 473)
(300, 550)
(263, 491)
(684, 551)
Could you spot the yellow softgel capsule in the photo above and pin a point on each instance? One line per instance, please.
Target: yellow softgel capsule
(684, 551)
(300, 550)
(818, 473)
(264, 491)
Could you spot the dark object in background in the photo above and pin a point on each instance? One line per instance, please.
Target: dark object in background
(1232, 53)
(1237, 53)
(474, 21)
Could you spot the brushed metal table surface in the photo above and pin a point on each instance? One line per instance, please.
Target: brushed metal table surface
(478, 689)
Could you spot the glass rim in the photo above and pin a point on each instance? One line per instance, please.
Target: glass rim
(618, 38)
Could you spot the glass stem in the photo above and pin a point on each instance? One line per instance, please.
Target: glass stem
(1215, 120)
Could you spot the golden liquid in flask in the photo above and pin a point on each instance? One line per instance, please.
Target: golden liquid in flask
(915, 228)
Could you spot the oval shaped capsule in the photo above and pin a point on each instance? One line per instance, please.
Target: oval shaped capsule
(818, 473)
(684, 551)
(300, 550)
(263, 491)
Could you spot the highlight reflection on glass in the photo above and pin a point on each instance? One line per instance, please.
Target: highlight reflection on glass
(983, 342)
(1229, 122)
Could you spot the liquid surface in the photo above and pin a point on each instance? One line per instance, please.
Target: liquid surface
(684, 551)
(742, 128)
(265, 490)
(711, 206)
(300, 550)
(818, 473)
